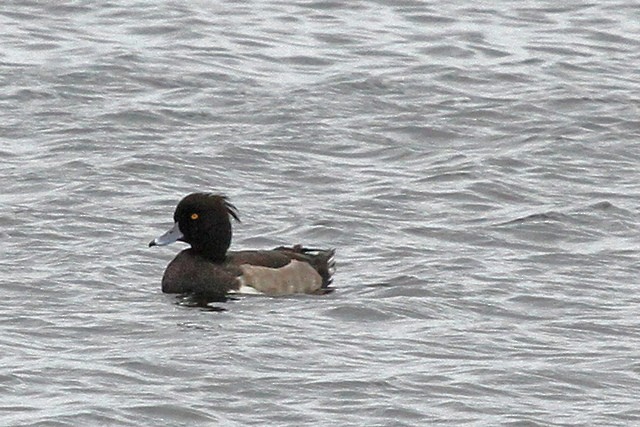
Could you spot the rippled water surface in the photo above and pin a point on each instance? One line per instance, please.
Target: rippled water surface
(476, 165)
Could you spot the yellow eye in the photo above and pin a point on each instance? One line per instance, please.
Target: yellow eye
(194, 216)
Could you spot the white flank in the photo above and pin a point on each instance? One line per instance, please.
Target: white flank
(245, 289)
(294, 278)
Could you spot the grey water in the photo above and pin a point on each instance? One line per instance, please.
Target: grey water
(475, 164)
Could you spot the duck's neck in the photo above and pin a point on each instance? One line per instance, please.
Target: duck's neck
(213, 253)
(213, 241)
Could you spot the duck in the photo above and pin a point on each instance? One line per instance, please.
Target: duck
(207, 269)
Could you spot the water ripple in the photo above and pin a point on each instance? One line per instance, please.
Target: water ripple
(475, 167)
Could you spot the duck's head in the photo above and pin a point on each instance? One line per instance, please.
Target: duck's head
(204, 221)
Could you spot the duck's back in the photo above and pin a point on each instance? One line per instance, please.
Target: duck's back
(284, 270)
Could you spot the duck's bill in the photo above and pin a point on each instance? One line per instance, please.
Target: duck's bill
(169, 237)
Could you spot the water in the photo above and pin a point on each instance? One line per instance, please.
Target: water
(474, 164)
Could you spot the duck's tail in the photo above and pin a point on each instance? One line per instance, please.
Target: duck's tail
(322, 260)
